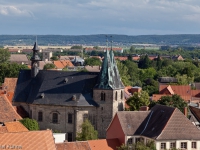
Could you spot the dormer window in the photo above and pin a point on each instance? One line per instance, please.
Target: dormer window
(103, 96)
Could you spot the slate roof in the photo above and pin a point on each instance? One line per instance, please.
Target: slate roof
(78, 145)
(56, 88)
(31, 140)
(196, 112)
(168, 80)
(7, 111)
(161, 123)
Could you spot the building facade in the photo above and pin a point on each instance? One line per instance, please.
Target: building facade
(61, 100)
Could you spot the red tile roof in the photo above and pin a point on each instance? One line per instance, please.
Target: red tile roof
(7, 111)
(31, 140)
(78, 145)
(121, 58)
(15, 126)
(104, 144)
(58, 64)
(10, 84)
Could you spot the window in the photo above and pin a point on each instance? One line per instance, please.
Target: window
(69, 118)
(163, 146)
(85, 116)
(121, 94)
(55, 118)
(116, 95)
(173, 145)
(194, 144)
(130, 141)
(184, 145)
(103, 96)
(139, 140)
(69, 136)
(40, 116)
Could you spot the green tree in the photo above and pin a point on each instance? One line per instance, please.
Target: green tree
(54, 58)
(144, 62)
(49, 66)
(10, 70)
(158, 63)
(173, 101)
(138, 100)
(87, 132)
(123, 71)
(77, 47)
(30, 124)
(4, 55)
(93, 61)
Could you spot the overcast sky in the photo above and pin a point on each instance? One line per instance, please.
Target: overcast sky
(85, 17)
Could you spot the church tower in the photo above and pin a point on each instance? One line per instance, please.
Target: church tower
(35, 61)
(108, 93)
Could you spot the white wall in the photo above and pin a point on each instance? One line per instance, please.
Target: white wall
(59, 137)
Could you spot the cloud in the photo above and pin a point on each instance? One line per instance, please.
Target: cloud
(14, 11)
(104, 16)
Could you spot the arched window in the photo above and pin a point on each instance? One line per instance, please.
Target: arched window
(121, 94)
(55, 118)
(103, 96)
(69, 118)
(40, 116)
(116, 95)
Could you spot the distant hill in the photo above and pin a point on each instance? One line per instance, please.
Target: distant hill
(120, 40)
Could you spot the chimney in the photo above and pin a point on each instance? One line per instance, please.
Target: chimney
(185, 111)
(144, 108)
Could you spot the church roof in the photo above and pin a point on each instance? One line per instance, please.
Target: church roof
(56, 88)
(109, 77)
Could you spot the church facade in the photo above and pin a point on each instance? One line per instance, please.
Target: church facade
(61, 100)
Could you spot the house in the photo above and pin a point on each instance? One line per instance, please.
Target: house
(167, 80)
(184, 91)
(19, 58)
(61, 100)
(31, 140)
(167, 126)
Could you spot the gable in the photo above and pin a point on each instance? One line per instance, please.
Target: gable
(179, 128)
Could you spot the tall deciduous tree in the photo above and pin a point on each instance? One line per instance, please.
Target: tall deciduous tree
(49, 66)
(4, 55)
(138, 100)
(87, 132)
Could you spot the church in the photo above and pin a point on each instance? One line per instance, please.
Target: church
(62, 100)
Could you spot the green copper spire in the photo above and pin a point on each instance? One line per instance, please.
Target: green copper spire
(109, 77)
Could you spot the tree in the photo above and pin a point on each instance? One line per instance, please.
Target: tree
(77, 47)
(4, 55)
(139, 146)
(173, 101)
(87, 132)
(93, 61)
(10, 70)
(54, 58)
(49, 66)
(30, 124)
(144, 62)
(138, 100)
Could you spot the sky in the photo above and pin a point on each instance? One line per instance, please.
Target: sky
(88, 17)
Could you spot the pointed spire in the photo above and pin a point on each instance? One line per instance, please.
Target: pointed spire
(109, 77)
